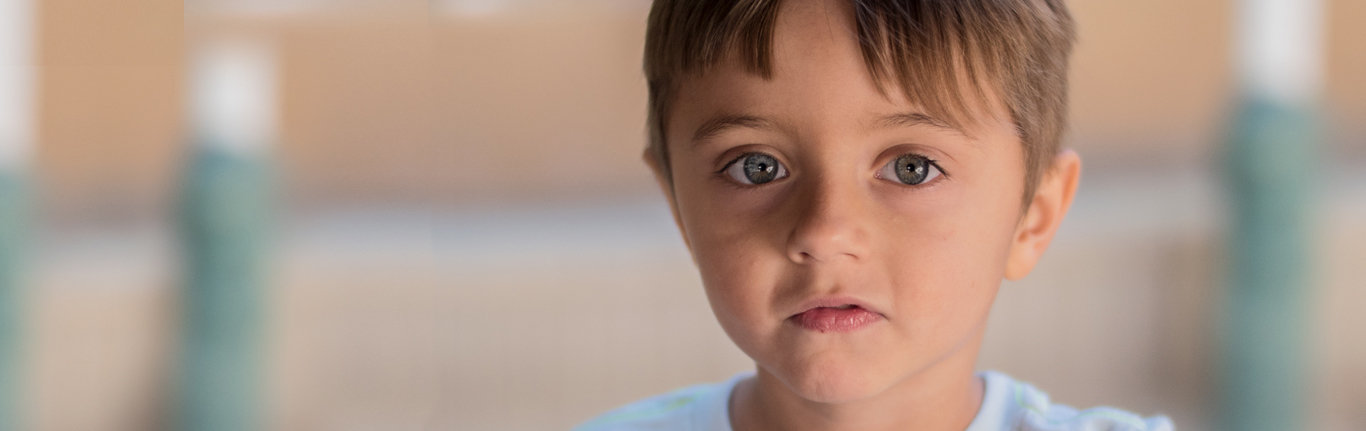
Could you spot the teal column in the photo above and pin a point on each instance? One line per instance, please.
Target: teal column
(1270, 167)
(17, 136)
(1271, 161)
(14, 230)
(225, 215)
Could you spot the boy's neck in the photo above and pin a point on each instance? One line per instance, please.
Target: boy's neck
(944, 397)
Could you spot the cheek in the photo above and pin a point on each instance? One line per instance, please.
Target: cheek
(733, 273)
(947, 260)
(737, 258)
(741, 279)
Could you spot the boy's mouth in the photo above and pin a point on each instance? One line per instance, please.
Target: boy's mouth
(838, 318)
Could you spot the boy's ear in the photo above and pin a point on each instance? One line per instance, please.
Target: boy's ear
(666, 186)
(1046, 211)
(661, 178)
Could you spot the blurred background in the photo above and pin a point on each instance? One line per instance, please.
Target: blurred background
(457, 180)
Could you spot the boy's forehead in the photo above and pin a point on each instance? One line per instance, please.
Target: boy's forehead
(810, 94)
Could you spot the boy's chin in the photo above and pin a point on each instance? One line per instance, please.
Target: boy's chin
(832, 381)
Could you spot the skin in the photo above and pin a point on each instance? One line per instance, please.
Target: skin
(928, 258)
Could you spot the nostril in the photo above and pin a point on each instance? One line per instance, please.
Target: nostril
(805, 257)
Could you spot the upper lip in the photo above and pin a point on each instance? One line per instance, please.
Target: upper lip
(834, 301)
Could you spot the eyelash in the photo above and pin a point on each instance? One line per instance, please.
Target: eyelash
(738, 158)
(732, 161)
(933, 162)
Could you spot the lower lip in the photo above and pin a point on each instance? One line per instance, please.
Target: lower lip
(826, 319)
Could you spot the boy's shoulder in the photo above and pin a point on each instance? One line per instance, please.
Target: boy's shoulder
(698, 407)
(1012, 405)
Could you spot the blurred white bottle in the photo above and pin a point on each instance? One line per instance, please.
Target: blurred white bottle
(1280, 50)
(18, 79)
(234, 106)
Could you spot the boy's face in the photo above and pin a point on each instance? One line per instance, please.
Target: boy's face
(847, 240)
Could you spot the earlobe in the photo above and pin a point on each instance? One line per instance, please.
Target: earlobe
(1046, 211)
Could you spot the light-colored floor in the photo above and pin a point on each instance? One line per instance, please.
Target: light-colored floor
(534, 317)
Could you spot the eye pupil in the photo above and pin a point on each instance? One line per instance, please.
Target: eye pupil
(760, 168)
(912, 169)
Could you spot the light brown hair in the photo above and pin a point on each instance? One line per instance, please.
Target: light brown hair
(1018, 49)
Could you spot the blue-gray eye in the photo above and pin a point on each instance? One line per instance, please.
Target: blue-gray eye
(755, 169)
(910, 169)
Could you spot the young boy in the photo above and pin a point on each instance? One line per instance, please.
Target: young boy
(854, 178)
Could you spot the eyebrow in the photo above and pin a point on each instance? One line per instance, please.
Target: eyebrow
(722, 123)
(911, 119)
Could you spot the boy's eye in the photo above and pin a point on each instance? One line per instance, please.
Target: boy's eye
(910, 169)
(755, 169)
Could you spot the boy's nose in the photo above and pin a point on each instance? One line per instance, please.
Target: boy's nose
(831, 224)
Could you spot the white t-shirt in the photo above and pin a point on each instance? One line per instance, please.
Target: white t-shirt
(1008, 405)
